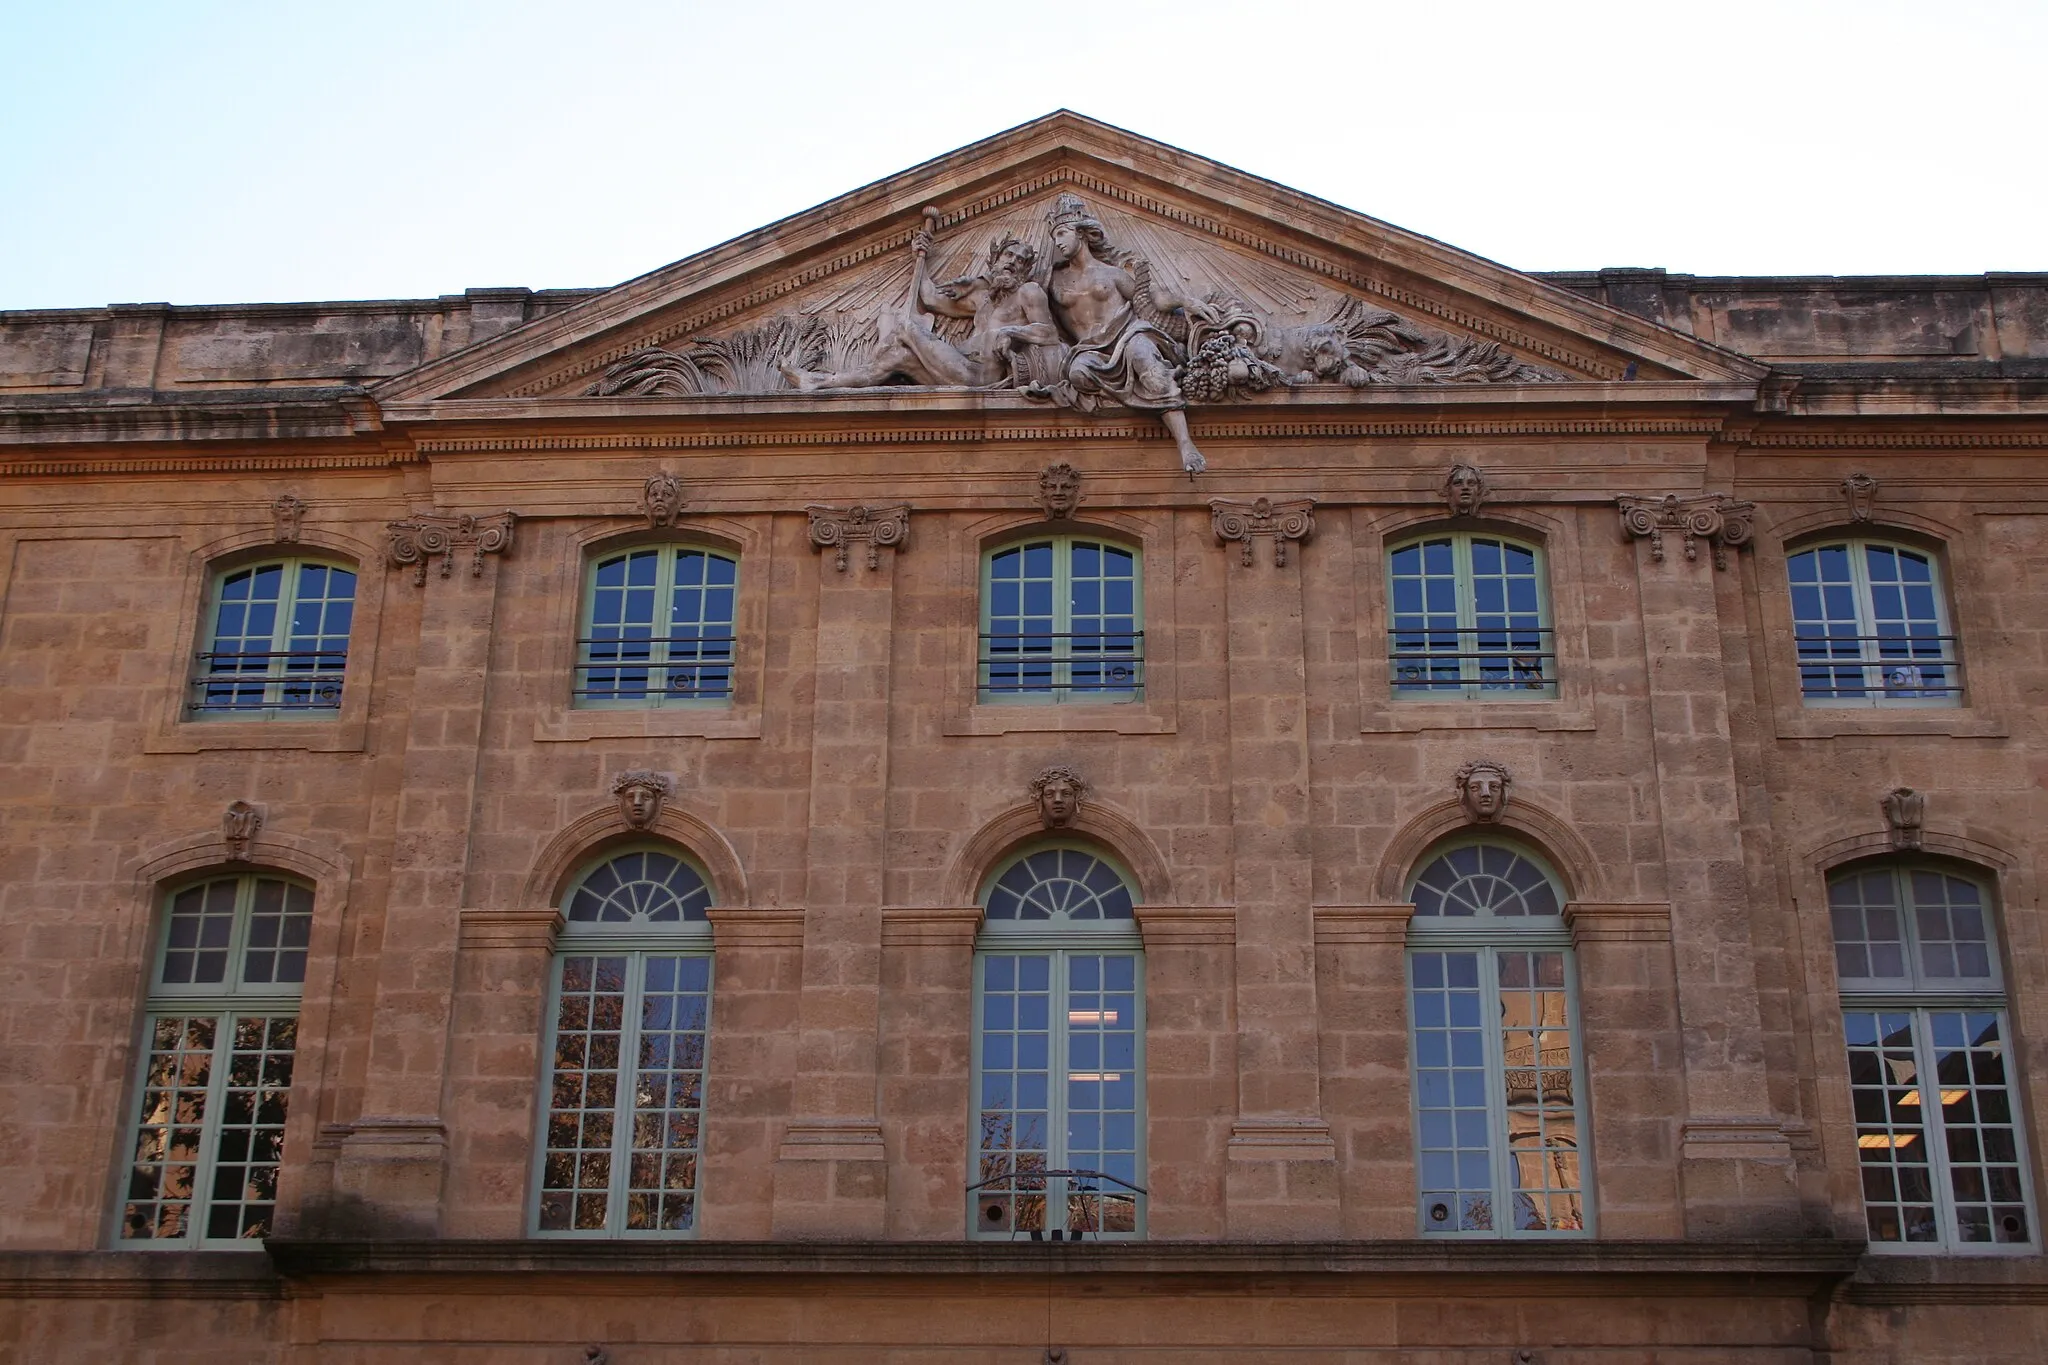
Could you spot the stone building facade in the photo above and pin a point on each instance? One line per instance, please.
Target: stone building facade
(759, 815)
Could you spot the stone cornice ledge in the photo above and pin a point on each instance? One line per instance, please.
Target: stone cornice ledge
(1372, 1263)
(137, 1275)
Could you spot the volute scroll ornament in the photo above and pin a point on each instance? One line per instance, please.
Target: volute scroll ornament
(833, 527)
(1723, 522)
(1279, 522)
(419, 538)
(238, 826)
(1058, 791)
(1905, 811)
(1483, 788)
(641, 795)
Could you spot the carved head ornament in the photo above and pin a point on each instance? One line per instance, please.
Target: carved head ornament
(664, 499)
(1059, 490)
(1483, 787)
(641, 794)
(238, 826)
(1464, 490)
(1058, 791)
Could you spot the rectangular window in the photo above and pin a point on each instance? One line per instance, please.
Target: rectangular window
(278, 646)
(1470, 619)
(1499, 1121)
(626, 1097)
(1059, 1082)
(1871, 628)
(1060, 623)
(658, 629)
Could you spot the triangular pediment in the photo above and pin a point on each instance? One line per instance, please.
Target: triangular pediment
(1322, 296)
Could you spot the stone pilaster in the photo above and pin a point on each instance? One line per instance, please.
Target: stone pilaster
(1281, 1173)
(927, 1057)
(1361, 968)
(1735, 1163)
(831, 1175)
(1190, 1066)
(389, 1172)
(499, 1027)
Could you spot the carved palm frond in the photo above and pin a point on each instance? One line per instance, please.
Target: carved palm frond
(751, 360)
(652, 372)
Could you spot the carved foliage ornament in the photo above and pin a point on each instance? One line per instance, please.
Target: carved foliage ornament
(1464, 490)
(1059, 490)
(641, 794)
(1058, 791)
(833, 527)
(662, 499)
(1722, 521)
(415, 540)
(1905, 811)
(1483, 787)
(285, 515)
(1861, 491)
(1280, 522)
(238, 826)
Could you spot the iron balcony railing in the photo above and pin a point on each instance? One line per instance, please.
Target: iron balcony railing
(1453, 659)
(652, 669)
(1096, 1204)
(1109, 665)
(303, 680)
(1878, 668)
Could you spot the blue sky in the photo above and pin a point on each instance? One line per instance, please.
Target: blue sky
(214, 152)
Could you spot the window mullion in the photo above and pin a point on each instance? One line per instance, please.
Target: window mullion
(1868, 649)
(1496, 1094)
(1933, 1129)
(628, 1085)
(1062, 618)
(207, 1168)
(664, 623)
(1465, 594)
(1056, 1156)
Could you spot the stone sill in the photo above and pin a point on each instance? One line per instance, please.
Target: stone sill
(1401, 1267)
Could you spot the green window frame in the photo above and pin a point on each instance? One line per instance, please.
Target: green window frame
(1941, 1146)
(627, 1042)
(276, 641)
(1870, 625)
(205, 1137)
(1058, 1079)
(1062, 621)
(1502, 1133)
(657, 628)
(1469, 618)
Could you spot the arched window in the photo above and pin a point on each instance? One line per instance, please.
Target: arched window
(1470, 618)
(221, 1027)
(1871, 628)
(277, 641)
(1062, 621)
(1500, 1109)
(1923, 1009)
(657, 628)
(1059, 1051)
(630, 1012)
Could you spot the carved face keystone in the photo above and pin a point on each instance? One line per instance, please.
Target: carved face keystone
(1058, 803)
(1464, 490)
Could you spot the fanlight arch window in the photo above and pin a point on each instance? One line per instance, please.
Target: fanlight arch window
(658, 627)
(1062, 620)
(1059, 1051)
(1500, 1108)
(220, 1031)
(629, 1022)
(1941, 1147)
(1470, 617)
(1870, 624)
(276, 642)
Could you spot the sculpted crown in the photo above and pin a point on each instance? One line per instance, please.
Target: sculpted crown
(1069, 211)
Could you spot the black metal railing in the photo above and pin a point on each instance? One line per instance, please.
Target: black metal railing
(1021, 1202)
(1109, 665)
(1450, 659)
(649, 670)
(268, 680)
(1879, 668)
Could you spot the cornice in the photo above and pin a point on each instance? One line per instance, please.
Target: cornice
(182, 463)
(1891, 440)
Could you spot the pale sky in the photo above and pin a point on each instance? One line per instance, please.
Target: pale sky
(197, 152)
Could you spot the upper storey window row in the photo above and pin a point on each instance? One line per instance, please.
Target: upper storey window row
(1061, 621)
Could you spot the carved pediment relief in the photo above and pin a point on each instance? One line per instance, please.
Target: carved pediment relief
(1238, 290)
